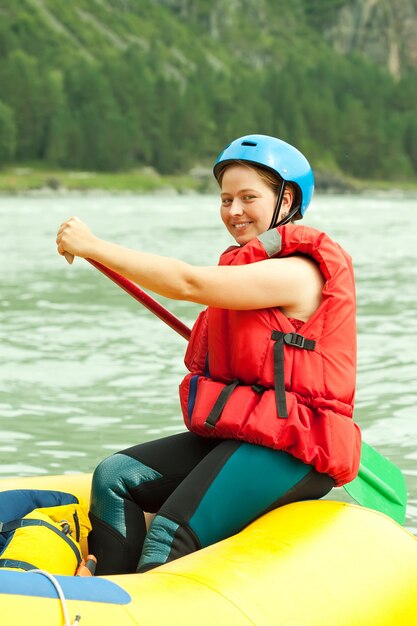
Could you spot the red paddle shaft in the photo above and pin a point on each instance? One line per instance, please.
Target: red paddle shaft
(145, 299)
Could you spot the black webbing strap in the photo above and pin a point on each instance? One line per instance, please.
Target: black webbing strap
(290, 339)
(77, 526)
(220, 403)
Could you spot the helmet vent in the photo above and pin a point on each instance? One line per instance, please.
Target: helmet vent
(249, 143)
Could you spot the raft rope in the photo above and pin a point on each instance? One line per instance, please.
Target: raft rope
(61, 597)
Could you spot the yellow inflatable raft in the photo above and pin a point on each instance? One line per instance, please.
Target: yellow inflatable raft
(314, 563)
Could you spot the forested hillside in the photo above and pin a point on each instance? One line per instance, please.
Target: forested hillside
(114, 84)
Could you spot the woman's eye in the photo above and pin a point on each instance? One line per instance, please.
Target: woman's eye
(226, 201)
(248, 197)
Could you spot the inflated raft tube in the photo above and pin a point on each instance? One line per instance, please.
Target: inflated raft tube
(310, 563)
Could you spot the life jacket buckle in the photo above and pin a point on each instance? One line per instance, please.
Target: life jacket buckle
(294, 339)
(65, 527)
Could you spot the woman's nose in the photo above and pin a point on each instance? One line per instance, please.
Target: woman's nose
(236, 207)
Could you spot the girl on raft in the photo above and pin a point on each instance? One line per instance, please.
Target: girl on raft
(268, 400)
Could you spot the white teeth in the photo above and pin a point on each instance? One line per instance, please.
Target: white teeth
(242, 225)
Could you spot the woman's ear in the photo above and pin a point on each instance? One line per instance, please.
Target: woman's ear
(287, 200)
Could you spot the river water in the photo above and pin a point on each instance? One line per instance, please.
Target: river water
(86, 371)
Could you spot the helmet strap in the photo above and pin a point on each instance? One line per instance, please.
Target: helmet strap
(277, 207)
(274, 222)
(288, 217)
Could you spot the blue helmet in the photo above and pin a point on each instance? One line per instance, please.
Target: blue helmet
(276, 155)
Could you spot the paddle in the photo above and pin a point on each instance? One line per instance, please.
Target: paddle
(145, 299)
(380, 484)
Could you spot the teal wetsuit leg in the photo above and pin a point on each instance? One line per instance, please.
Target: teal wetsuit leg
(232, 486)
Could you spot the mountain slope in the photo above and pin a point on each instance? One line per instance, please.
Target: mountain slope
(110, 85)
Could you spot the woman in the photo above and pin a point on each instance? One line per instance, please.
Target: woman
(269, 398)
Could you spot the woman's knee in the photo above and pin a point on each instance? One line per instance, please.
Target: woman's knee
(106, 475)
(119, 474)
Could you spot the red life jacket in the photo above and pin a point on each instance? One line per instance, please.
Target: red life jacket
(256, 378)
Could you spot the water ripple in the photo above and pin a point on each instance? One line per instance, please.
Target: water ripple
(85, 371)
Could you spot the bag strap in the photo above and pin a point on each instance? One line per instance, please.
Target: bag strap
(9, 527)
(17, 564)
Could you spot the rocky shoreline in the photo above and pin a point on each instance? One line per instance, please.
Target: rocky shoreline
(28, 181)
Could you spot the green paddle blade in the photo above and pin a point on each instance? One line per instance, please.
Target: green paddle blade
(380, 485)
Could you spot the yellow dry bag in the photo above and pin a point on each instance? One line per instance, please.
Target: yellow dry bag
(49, 538)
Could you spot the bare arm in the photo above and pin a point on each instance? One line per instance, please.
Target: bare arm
(293, 283)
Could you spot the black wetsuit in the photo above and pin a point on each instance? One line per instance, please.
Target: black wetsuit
(202, 491)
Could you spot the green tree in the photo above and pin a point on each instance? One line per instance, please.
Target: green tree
(410, 141)
(22, 91)
(54, 146)
(354, 153)
(7, 133)
(133, 86)
(97, 128)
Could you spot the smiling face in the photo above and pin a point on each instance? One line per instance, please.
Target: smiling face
(248, 199)
(247, 203)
